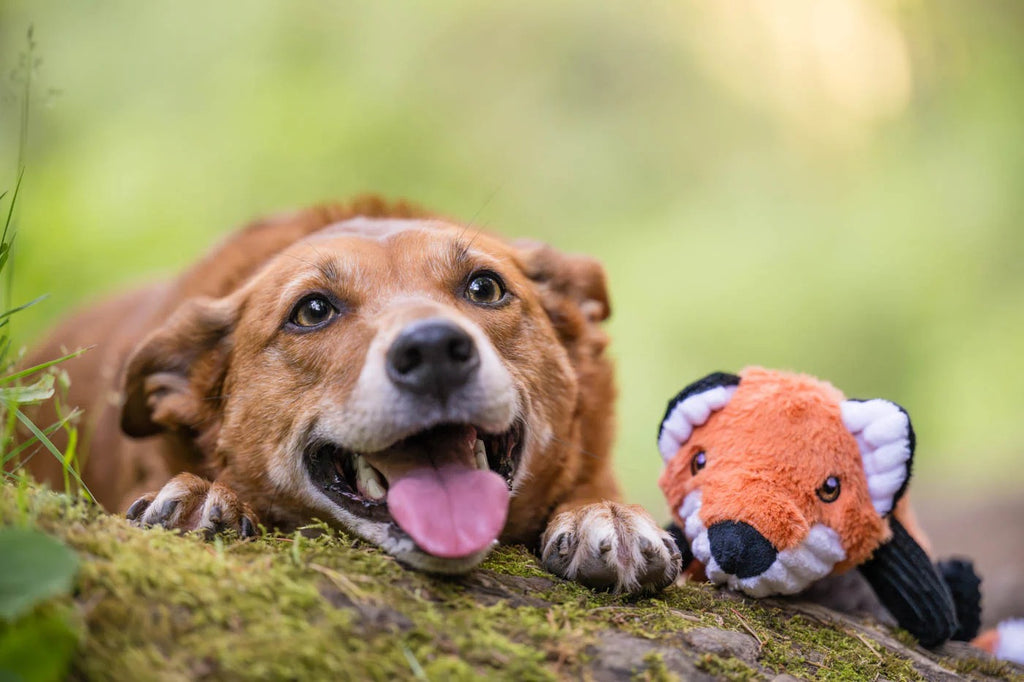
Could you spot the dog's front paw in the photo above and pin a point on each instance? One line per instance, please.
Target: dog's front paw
(613, 546)
(188, 502)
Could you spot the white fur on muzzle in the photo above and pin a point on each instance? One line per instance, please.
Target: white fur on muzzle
(793, 569)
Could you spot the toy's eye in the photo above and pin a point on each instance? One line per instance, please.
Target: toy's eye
(312, 311)
(699, 461)
(485, 288)
(829, 490)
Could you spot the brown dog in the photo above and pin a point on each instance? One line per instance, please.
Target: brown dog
(429, 388)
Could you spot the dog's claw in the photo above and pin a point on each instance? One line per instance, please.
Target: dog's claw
(188, 502)
(611, 546)
(646, 547)
(562, 542)
(138, 507)
(166, 513)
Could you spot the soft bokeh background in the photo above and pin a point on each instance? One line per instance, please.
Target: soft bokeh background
(825, 185)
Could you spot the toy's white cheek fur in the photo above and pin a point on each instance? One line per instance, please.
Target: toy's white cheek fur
(793, 569)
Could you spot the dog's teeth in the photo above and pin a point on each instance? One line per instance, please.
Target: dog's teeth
(481, 455)
(368, 479)
(374, 490)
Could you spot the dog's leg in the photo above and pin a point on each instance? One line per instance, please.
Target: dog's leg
(608, 545)
(188, 502)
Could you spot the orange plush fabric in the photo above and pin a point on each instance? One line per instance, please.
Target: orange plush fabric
(768, 451)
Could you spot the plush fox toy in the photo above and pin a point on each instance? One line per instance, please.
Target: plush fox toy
(777, 481)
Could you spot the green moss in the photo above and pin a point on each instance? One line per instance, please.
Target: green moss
(989, 667)
(654, 670)
(726, 668)
(323, 605)
(512, 560)
(825, 652)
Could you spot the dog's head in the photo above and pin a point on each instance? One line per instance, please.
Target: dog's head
(395, 377)
(777, 480)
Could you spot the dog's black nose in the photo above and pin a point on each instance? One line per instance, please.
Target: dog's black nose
(739, 549)
(432, 356)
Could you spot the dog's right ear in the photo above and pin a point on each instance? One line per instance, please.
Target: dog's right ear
(572, 286)
(173, 374)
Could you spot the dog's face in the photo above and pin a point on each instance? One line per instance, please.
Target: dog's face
(395, 377)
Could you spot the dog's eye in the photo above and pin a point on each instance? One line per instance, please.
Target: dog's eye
(485, 288)
(312, 311)
(699, 461)
(829, 490)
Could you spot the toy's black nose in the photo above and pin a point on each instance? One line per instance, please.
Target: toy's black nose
(739, 549)
(432, 357)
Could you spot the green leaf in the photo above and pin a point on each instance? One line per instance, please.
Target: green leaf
(37, 647)
(33, 393)
(33, 568)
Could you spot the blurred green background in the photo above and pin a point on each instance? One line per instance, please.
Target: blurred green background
(832, 186)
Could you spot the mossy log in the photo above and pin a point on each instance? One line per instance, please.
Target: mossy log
(156, 605)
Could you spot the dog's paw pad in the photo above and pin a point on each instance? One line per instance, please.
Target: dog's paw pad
(611, 546)
(188, 502)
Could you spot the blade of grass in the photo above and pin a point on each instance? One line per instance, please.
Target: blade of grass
(23, 306)
(43, 365)
(14, 200)
(53, 450)
(71, 449)
(49, 430)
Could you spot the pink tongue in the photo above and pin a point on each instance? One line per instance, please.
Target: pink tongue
(451, 511)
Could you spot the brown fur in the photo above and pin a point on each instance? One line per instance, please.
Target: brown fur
(196, 370)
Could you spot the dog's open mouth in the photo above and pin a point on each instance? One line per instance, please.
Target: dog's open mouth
(446, 487)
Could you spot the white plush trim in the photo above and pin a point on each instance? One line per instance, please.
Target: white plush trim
(1011, 641)
(882, 431)
(793, 571)
(692, 412)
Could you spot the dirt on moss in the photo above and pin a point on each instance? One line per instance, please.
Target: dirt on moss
(157, 605)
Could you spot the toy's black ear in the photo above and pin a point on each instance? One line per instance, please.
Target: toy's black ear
(911, 589)
(691, 408)
(886, 440)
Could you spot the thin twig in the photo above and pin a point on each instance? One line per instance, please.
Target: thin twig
(868, 645)
(342, 582)
(746, 626)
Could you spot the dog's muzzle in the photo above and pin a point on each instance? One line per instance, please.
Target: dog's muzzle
(428, 444)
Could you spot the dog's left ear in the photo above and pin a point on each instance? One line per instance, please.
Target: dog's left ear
(886, 440)
(572, 287)
(174, 372)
